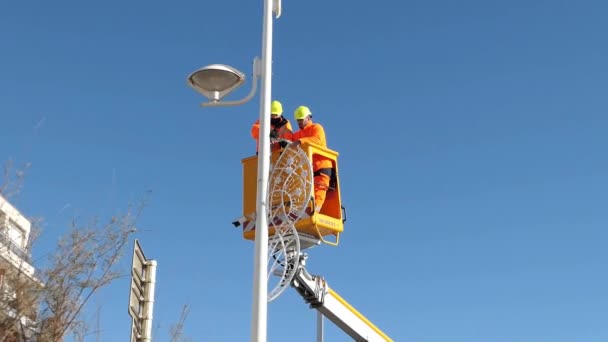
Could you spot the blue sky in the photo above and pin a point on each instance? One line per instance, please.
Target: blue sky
(472, 141)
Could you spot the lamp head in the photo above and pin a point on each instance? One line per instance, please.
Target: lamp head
(216, 81)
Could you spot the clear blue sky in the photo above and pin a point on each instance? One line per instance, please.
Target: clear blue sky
(472, 139)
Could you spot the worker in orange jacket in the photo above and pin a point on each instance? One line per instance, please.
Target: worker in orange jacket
(310, 132)
(280, 128)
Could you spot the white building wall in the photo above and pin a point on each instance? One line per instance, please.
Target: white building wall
(14, 235)
(13, 224)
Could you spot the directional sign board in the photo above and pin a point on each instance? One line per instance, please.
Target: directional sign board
(136, 296)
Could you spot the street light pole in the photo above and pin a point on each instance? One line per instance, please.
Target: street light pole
(216, 81)
(260, 263)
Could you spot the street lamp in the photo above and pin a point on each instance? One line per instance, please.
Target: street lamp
(216, 81)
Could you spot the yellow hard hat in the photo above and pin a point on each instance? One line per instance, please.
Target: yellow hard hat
(276, 108)
(302, 112)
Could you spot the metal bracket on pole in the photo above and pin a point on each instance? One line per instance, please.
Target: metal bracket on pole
(257, 72)
(276, 8)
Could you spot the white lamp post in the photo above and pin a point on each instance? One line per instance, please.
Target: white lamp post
(216, 81)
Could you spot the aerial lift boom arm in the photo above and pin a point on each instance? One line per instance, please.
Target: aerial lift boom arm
(316, 292)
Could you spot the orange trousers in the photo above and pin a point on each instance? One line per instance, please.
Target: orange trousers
(321, 185)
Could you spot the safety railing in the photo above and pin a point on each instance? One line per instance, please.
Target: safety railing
(8, 243)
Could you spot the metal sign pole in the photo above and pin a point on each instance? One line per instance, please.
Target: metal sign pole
(148, 302)
(141, 296)
(319, 326)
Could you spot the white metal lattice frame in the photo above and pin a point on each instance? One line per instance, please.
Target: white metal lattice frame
(290, 188)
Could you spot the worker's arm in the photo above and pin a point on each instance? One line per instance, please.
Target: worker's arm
(286, 132)
(255, 130)
(317, 136)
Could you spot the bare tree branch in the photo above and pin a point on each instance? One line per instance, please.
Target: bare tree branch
(47, 305)
(178, 328)
(84, 261)
(12, 179)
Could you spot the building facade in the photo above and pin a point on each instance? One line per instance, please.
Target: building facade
(18, 283)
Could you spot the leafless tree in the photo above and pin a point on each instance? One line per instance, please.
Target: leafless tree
(177, 329)
(12, 178)
(45, 307)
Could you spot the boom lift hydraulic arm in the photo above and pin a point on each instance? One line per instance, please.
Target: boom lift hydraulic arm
(316, 292)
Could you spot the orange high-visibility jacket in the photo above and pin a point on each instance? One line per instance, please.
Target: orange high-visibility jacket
(284, 133)
(314, 133)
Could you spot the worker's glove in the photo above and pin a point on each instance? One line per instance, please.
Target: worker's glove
(283, 143)
(282, 122)
(274, 134)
